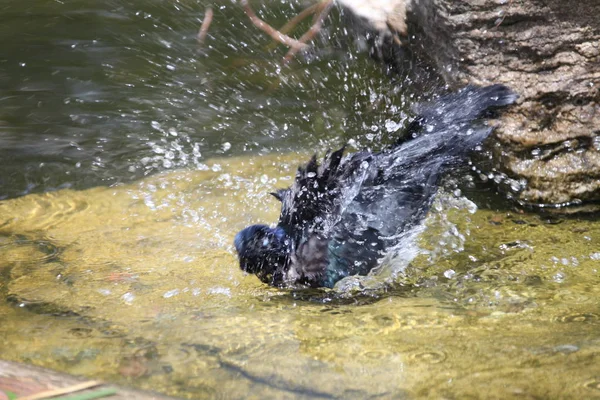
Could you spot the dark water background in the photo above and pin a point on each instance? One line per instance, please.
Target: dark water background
(96, 93)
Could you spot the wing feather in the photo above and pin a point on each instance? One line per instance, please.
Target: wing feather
(312, 198)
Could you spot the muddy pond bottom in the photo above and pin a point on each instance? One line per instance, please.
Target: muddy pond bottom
(138, 284)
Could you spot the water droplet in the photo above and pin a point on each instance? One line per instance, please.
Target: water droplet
(171, 293)
(220, 290)
(450, 273)
(128, 297)
(559, 277)
(391, 126)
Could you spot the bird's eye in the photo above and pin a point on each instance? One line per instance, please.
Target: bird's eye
(265, 242)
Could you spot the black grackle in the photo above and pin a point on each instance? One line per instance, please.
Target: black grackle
(339, 218)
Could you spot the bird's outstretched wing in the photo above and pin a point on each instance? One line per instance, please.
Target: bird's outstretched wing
(313, 197)
(312, 207)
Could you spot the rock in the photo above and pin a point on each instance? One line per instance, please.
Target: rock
(549, 52)
(22, 380)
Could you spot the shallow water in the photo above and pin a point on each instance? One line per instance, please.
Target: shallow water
(138, 283)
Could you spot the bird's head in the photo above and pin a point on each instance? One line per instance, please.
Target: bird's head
(263, 251)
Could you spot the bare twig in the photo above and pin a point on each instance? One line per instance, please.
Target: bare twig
(291, 24)
(312, 32)
(67, 390)
(208, 17)
(269, 30)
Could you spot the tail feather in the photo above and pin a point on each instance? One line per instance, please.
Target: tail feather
(404, 178)
(448, 126)
(468, 104)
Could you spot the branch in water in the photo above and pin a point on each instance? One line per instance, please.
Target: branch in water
(291, 24)
(312, 32)
(208, 17)
(269, 30)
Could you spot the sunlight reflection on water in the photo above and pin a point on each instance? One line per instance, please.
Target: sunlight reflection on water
(146, 295)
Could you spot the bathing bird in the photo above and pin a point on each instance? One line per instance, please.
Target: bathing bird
(341, 217)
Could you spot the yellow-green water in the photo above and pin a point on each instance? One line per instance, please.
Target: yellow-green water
(139, 284)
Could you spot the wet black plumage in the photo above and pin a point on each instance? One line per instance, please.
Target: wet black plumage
(339, 218)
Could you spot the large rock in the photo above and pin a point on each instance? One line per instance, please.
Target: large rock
(549, 52)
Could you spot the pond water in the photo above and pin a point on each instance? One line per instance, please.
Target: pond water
(131, 156)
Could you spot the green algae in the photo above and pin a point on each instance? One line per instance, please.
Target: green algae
(139, 284)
